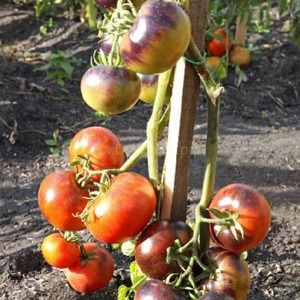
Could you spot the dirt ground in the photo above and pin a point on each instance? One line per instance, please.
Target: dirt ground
(259, 145)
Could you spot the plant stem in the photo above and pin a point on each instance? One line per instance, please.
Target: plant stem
(210, 169)
(152, 127)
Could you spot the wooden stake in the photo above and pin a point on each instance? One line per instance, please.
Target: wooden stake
(184, 101)
(241, 29)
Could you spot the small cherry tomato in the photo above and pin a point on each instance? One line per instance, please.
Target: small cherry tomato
(254, 216)
(92, 273)
(58, 252)
(100, 146)
(151, 248)
(121, 212)
(110, 90)
(219, 43)
(239, 56)
(60, 198)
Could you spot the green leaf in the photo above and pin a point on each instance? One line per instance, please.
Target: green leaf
(60, 82)
(219, 214)
(55, 134)
(66, 66)
(123, 290)
(54, 150)
(51, 75)
(50, 142)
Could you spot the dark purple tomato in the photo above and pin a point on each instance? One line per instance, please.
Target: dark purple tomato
(149, 84)
(151, 248)
(232, 273)
(155, 289)
(110, 90)
(254, 215)
(158, 38)
(216, 296)
(106, 42)
(107, 4)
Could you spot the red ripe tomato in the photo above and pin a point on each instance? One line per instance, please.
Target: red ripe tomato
(93, 273)
(60, 198)
(218, 45)
(158, 38)
(102, 147)
(232, 275)
(110, 90)
(58, 252)
(254, 215)
(121, 212)
(151, 248)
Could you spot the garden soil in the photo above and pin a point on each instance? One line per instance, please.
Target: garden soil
(259, 145)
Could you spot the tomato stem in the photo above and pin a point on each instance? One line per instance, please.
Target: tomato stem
(152, 126)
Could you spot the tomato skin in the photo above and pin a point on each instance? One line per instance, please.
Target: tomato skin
(100, 145)
(239, 56)
(218, 47)
(60, 198)
(158, 38)
(149, 84)
(58, 252)
(110, 90)
(121, 212)
(87, 276)
(151, 247)
(107, 4)
(216, 296)
(254, 216)
(154, 289)
(232, 276)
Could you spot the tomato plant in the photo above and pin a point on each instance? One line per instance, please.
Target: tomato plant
(231, 275)
(155, 289)
(254, 216)
(110, 90)
(123, 210)
(156, 41)
(60, 199)
(219, 43)
(59, 252)
(151, 248)
(239, 56)
(98, 146)
(91, 272)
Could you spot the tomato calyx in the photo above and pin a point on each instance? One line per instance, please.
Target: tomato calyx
(227, 220)
(115, 23)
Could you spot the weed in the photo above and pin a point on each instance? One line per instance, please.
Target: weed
(60, 67)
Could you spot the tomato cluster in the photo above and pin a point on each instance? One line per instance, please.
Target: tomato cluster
(106, 204)
(219, 45)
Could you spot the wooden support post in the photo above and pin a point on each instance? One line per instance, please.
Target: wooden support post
(185, 96)
(241, 29)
